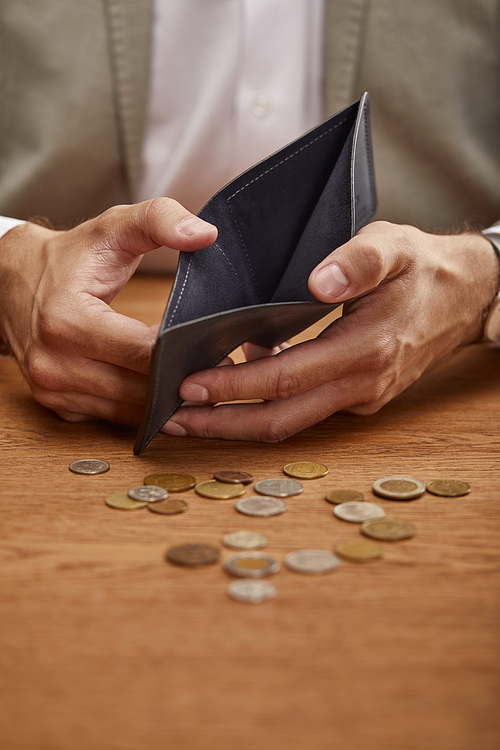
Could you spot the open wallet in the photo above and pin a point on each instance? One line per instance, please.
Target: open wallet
(276, 222)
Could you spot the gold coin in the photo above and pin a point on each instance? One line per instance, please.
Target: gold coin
(344, 496)
(448, 487)
(171, 481)
(122, 501)
(193, 554)
(233, 477)
(360, 550)
(168, 507)
(219, 490)
(305, 470)
(388, 529)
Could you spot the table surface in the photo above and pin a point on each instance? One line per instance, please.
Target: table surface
(105, 645)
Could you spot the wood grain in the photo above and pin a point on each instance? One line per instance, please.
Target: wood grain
(105, 645)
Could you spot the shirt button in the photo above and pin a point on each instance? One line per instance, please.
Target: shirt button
(261, 104)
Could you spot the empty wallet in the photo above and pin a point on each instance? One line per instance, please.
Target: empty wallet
(276, 222)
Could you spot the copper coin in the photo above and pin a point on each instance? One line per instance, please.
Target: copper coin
(168, 507)
(448, 487)
(193, 554)
(171, 481)
(233, 477)
(360, 550)
(344, 496)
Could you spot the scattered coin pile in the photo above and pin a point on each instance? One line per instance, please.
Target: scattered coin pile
(249, 565)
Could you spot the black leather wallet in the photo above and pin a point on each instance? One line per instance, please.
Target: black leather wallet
(276, 222)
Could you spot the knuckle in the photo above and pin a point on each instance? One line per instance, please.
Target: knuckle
(286, 384)
(42, 373)
(53, 326)
(372, 259)
(273, 431)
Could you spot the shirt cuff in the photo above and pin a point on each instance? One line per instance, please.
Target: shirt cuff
(493, 235)
(7, 223)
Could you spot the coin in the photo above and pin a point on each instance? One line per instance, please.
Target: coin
(148, 492)
(357, 512)
(233, 477)
(305, 470)
(260, 506)
(219, 490)
(448, 487)
(122, 501)
(171, 481)
(244, 540)
(193, 554)
(399, 487)
(279, 487)
(251, 565)
(388, 529)
(344, 496)
(311, 561)
(250, 591)
(168, 507)
(360, 550)
(89, 466)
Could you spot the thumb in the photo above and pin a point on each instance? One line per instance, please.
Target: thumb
(360, 265)
(142, 227)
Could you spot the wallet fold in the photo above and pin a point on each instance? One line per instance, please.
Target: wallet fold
(276, 222)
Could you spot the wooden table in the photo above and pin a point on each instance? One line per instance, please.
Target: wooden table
(105, 645)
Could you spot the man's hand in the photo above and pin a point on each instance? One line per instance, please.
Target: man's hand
(81, 358)
(415, 298)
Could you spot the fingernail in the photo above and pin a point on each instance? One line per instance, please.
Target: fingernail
(192, 225)
(331, 281)
(174, 428)
(193, 392)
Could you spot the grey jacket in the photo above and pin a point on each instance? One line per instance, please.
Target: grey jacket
(73, 95)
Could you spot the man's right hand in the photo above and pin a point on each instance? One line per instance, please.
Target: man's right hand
(81, 358)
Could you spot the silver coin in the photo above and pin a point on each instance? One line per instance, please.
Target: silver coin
(260, 506)
(312, 561)
(357, 512)
(399, 487)
(279, 487)
(253, 592)
(148, 492)
(89, 466)
(251, 565)
(244, 540)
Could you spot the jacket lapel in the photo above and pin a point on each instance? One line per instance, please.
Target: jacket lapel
(344, 26)
(129, 31)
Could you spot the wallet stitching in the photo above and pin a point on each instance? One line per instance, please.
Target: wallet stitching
(234, 269)
(174, 311)
(182, 291)
(287, 158)
(270, 169)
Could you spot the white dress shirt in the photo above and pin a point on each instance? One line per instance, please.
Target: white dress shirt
(231, 82)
